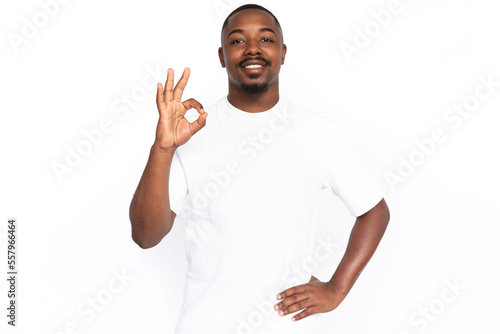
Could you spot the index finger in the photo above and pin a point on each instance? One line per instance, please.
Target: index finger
(179, 88)
(169, 85)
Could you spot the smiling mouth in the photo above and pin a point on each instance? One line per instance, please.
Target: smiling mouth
(254, 63)
(253, 66)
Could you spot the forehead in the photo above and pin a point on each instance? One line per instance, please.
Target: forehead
(249, 19)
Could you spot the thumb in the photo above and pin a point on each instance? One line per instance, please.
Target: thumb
(313, 279)
(199, 123)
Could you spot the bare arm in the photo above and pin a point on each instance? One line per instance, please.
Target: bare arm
(150, 212)
(320, 297)
(365, 237)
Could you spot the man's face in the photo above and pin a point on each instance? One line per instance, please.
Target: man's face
(252, 50)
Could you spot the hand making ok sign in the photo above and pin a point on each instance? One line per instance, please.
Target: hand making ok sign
(173, 128)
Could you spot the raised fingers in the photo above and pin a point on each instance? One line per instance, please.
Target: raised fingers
(169, 86)
(179, 88)
(160, 98)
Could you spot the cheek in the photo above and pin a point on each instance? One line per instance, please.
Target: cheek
(276, 54)
(228, 57)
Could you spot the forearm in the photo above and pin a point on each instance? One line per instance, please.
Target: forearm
(150, 212)
(363, 241)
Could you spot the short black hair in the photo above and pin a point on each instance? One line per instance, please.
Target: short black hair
(248, 6)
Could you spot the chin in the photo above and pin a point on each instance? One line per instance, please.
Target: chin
(254, 88)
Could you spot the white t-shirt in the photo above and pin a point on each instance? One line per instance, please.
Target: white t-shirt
(250, 182)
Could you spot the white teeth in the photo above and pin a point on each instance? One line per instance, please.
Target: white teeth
(253, 66)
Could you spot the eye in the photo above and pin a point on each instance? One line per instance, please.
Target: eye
(237, 41)
(267, 40)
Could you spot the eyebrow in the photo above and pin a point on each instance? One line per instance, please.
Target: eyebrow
(240, 31)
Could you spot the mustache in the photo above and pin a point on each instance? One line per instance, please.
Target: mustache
(267, 62)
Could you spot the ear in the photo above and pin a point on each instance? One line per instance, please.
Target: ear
(283, 53)
(221, 57)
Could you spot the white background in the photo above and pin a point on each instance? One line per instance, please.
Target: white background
(74, 232)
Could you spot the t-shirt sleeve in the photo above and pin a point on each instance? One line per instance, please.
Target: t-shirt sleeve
(347, 177)
(177, 189)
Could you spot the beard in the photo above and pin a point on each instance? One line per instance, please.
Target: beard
(254, 89)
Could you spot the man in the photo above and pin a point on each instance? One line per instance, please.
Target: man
(248, 182)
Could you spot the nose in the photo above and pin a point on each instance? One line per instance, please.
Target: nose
(252, 47)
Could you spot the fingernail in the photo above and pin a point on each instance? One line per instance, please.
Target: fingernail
(279, 297)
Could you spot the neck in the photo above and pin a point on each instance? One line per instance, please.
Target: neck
(256, 103)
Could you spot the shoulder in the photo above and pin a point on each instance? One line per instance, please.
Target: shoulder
(314, 121)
